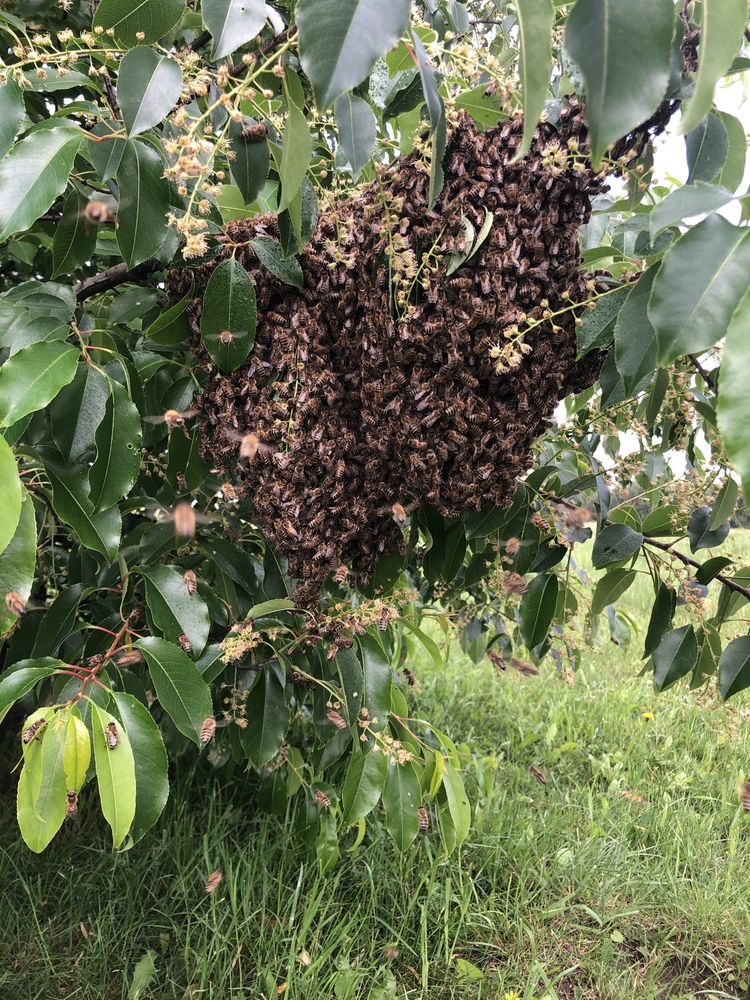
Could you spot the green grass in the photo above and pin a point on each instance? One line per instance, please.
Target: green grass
(566, 889)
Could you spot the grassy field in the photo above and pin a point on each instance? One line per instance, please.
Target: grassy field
(624, 876)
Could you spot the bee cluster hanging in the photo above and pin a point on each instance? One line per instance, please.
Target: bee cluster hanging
(423, 355)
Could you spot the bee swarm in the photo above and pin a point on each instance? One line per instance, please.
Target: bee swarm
(366, 402)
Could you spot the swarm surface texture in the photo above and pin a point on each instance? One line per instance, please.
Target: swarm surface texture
(378, 382)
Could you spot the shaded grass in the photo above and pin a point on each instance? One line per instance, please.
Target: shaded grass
(623, 876)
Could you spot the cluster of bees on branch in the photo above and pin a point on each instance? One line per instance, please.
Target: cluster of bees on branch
(349, 413)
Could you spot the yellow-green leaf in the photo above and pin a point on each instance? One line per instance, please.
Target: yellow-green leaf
(115, 772)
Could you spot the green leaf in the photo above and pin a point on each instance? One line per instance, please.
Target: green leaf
(179, 686)
(458, 802)
(693, 199)
(33, 377)
(711, 568)
(271, 254)
(357, 131)
(734, 667)
(174, 610)
(734, 399)
(706, 148)
(232, 23)
(144, 975)
(77, 754)
(401, 797)
(41, 787)
(626, 68)
(150, 759)
(699, 532)
(724, 504)
(615, 543)
(144, 203)
(662, 614)
(363, 785)
(172, 326)
(635, 340)
(610, 588)
(484, 108)
(105, 156)
(270, 607)
(340, 41)
(436, 114)
(535, 20)
(118, 441)
(733, 170)
(722, 25)
(229, 308)
(700, 282)
(674, 657)
(376, 688)
(296, 151)
(267, 719)
(22, 677)
(538, 608)
(11, 494)
(17, 562)
(115, 772)
(596, 328)
(70, 500)
(148, 87)
(74, 240)
(33, 174)
(77, 411)
(58, 622)
(12, 113)
(249, 168)
(154, 18)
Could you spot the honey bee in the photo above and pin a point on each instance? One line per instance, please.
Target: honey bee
(424, 819)
(254, 132)
(111, 736)
(15, 603)
(97, 212)
(173, 418)
(341, 574)
(385, 617)
(322, 799)
(538, 775)
(184, 520)
(128, 657)
(71, 803)
(191, 581)
(207, 730)
(212, 882)
(33, 730)
(230, 493)
(185, 644)
(337, 720)
(399, 513)
(226, 337)
(250, 445)
(746, 795)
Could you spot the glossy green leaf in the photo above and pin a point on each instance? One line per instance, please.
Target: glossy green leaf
(731, 174)
(376, 687)
(626, 70)
(363, 785)
(706, 147)
(538, 608)
(267, 719)
(150, 760)
(105, 156)
(118, 442)
(684, 202)
(144, 203)
(41, 787)
(296, 151)
(340, 40)
(115, 772)
(458, 802)
(232, 23)
(58, 621)
(17, 561)
(610, 588)
(148, 87)
(77, 411)
(229, 309)
(75, 239)
(734, 667)
(180, 688)
(661, 617)
(733, 409)
(711, 568)
(436, 114)
(11, 494)
(22, 677)
(724, 505)
(12, 113)
(535, 20)
(700, 282)
(77, 754)
(722, 25)
(596, 328)
(615, 543)
(401, 798)
(174, 610)
(700, 533)
(70, 499)
(171, 326)
(33, 174)
(635, 340)
(271, 254)
(33, 377)
(150, 18)
(251, 161)
(674, 657)
(357, 130)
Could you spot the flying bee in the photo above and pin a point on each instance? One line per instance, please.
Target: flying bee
(207, 730)
(335, 719)
(212, 882)
(111, 736)
(230, 493)
(173, 418)
(250, 445)
(184, 520)
(424, 819)
(746, 795)
(71, 803)
(399, 513)
(128, 657)
(33, 730)
(226, 337)
(97, 212)
(15, 603)
(322, 799)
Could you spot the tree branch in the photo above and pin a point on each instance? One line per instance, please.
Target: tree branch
(707, 377)
(109, 90)
(114, 276)
(663, 546)
(199, 41)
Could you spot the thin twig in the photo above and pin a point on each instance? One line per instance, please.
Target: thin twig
(114, 276)
(109, 90)
(707, 377)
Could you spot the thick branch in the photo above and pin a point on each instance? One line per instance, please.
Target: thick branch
(664, 546)
(114, 276)
(199, 41)
(707, 377)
